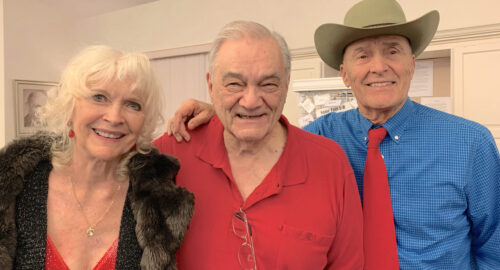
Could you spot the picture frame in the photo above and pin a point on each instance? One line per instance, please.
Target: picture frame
(30, 95)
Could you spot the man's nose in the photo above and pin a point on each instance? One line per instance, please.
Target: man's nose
(251, 97)
(378, 64)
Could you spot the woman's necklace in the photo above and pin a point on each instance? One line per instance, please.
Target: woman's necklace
(91, 228)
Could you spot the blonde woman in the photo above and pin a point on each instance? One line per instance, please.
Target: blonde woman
(93, 193)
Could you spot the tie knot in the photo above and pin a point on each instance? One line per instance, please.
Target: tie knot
(375, 136)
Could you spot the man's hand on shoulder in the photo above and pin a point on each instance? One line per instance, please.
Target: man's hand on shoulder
(192, 111)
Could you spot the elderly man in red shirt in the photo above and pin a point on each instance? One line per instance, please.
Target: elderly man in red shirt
(268, 195)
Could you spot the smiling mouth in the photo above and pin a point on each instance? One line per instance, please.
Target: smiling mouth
(244, 116)
(380, 84)
(107, 135)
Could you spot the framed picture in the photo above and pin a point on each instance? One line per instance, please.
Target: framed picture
(30, 95)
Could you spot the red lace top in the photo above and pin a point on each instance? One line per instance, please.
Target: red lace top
(54, 261)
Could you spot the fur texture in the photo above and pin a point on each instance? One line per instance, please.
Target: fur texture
(161, 210)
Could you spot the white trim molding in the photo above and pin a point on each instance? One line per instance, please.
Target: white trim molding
(467, 34)
(182, 51)
(332, 83)
(304, 53)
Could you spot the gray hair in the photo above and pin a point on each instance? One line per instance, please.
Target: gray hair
(101, 64)
(238, 29)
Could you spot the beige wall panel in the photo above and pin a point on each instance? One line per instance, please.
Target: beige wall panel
(481, 88)
(441, 83)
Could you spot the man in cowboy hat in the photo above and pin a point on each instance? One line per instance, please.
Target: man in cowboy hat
(443, 171)
(442, 177)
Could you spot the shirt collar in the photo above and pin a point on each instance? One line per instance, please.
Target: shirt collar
(292, 162)
(291, 167)
(212, 149)
(395, 126)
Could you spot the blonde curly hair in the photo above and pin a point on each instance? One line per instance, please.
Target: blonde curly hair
(101, 64)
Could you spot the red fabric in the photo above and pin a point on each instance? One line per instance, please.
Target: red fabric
(306, 214)
(379, 234)
(54, 260)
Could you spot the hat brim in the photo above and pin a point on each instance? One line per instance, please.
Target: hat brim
(331, 39)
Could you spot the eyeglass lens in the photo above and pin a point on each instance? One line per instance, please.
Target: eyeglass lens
(242, 229)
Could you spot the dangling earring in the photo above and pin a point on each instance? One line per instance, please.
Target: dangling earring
(71, 133)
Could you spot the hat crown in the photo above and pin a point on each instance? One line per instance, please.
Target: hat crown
(374, 13)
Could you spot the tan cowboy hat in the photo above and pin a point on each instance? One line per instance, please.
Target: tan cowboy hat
(373, 18)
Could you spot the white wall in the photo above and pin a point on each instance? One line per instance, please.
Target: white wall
(170, 24)
(39, 41)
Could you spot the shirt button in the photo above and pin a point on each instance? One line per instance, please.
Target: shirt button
(366, 138)
(396, 137)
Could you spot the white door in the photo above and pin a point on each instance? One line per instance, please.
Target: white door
(476, 90)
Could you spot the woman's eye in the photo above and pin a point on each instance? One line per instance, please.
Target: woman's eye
(135, 106)
(99, 98)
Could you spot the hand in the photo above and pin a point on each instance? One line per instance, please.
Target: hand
(193, 111)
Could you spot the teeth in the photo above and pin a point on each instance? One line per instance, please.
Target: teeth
(107, 135)
(380, 84)
(247, 116)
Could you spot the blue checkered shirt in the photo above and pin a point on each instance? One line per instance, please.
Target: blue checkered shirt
(444, 179)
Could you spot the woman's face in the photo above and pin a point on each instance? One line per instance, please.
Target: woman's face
(108, 123)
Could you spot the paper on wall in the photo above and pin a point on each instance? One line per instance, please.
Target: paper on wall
(321, 99)
(333, 103)
(421, 84)
(322, 111)
(305, 120)
(438, 103)
(308, 105)
(353, 104)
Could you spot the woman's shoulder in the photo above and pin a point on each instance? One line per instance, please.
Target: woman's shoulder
(21, 156)
(18, 159)
(162, 167)
(157, 200)
(154, 173)
(35, 146)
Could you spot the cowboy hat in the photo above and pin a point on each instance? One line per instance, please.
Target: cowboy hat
(373, 18)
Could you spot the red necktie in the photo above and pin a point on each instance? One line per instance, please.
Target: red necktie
(379, 235)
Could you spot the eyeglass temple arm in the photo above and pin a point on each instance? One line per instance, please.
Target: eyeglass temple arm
(246, 222)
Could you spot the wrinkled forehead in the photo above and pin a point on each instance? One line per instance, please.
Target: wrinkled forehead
(250, 55)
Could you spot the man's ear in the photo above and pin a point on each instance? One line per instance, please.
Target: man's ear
(209, 84)
(412, 66)
(344, 76)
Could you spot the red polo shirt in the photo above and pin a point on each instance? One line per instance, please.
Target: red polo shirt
(306, 213)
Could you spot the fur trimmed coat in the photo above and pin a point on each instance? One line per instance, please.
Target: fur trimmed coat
(154, 219)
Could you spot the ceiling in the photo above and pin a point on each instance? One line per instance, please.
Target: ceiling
(89, 8)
